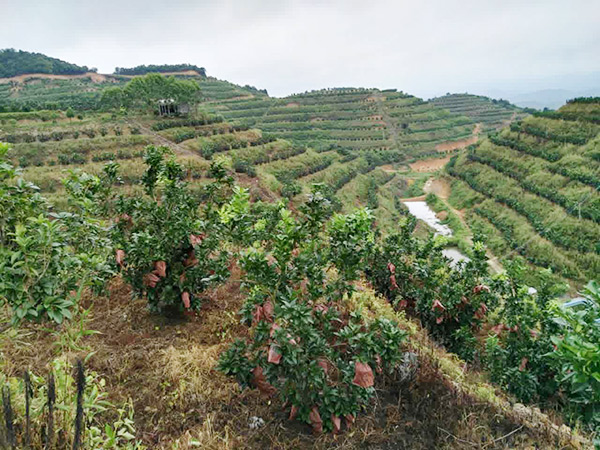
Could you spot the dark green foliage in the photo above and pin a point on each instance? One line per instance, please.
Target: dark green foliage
(516, 352)
(577, 353)
(451, 301)
(142, 70)
(47, 258)
(168, 248)
(146, 91)
(307, 345)
(13, 62)
(584, 100)
(290, 188)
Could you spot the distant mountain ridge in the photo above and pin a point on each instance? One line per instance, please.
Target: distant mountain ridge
(549, 98)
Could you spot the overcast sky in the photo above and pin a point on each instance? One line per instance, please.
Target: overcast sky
(423, 47)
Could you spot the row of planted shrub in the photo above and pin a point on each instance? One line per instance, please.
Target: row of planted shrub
(578, 199)
(530, 345)
(568, 162)
(203, 119)
(572, 132)
(59, 135)
(310, 341)
(550, 220)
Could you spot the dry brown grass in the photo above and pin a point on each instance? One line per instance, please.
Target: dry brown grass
(168, 368)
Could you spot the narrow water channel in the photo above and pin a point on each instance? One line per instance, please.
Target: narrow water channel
(422, 211)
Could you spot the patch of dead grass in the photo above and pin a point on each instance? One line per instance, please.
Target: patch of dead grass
(168, 368)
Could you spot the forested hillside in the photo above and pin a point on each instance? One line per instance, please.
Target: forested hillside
(13, 62)
(491, 113)
(532, 189)
(160, 68)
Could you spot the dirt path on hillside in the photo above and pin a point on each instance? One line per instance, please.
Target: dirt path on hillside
(462, 143)
(191, 73)
(438, 186)
(429, 165)
(161, 139)
(95, 77)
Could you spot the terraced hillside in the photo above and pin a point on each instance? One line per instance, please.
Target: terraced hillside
(35, 92)
(83, 92)
(532, 189)
(47, 144)
(491, 113)
(359, 142)
(352, 119)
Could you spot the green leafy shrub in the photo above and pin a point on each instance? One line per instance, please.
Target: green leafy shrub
(168, 248)
(291, 188)
(516, 350)
(308, 344)
(45, 262)
(577, 353)
(451, 301)
(40, 271)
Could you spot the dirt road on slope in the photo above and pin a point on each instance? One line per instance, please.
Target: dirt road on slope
(429, 165)
(162, 140)
(462, 143)
(95, 77)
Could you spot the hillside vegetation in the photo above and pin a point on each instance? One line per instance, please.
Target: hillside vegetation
(161, 68)
(13, 62)
(491, 113)
(284, 148)
(532, 189)
(313, 340)
(85, 93)
(81, 94)
(352, 119)
(247, 275)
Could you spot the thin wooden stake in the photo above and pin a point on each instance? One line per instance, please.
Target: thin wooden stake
(51, 401)
(28, 395)
(8, 418)
(79, 414)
